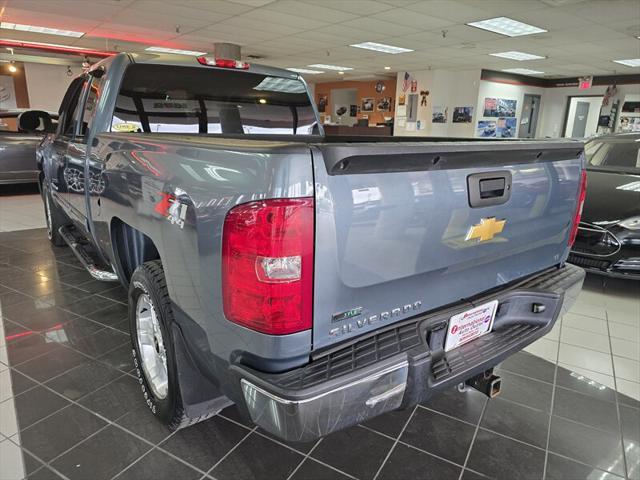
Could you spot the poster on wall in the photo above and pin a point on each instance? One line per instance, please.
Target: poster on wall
(7, 93)
(506, 108)
(499, 107)
(353, 110)
(462, 115)
(506, 127)
(384, 104)
(439, 114)
(323, 100)
(367, 104)
(486, 128)
(490, 107)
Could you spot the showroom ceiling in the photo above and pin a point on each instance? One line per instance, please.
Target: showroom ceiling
(583, 36)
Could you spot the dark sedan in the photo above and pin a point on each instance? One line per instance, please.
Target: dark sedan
(18, 145)
(608, 240)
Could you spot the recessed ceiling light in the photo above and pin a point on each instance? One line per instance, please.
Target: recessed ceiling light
(522, 71)
(387, 68)
(304, 70)
(632, 62)
(329, 67)
(381, 47)
(36, 29)
(175, 51)
(506, 26)
(520, 56)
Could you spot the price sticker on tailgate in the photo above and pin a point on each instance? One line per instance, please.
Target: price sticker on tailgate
(469, 325)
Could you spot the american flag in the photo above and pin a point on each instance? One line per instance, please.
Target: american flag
(406, 82)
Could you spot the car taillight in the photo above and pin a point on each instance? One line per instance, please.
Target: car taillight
(267, 265)
(576, 218)
(222, 62)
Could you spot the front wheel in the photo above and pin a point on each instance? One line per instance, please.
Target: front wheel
(53, 217)
(150, 319)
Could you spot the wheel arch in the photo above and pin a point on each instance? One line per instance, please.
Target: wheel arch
(131, 248)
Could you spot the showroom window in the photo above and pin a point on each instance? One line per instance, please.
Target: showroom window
(169, 99)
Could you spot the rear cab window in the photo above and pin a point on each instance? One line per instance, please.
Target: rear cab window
(614, 154)
(196, 100)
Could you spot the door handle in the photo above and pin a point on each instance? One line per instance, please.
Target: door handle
(489, 188)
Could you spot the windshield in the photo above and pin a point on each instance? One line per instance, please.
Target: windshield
(169, 99)
(613, 154)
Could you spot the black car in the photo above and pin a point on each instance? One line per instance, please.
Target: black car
(608, 239)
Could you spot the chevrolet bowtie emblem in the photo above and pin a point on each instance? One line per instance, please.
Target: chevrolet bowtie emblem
(485, 230)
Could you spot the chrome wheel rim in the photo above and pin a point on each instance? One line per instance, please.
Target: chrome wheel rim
(47, 212)
(153, 354)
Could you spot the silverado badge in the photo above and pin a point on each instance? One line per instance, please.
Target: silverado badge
(486, 229)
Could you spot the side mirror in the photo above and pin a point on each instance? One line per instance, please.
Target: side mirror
(35, 121)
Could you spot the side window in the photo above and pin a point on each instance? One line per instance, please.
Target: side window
(89, 111)
(69, 107)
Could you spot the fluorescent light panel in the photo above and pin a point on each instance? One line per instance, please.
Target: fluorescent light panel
(329, 67)
(278, 84)
(381, 47)
(522, 71)
(175, 51)
(36, 29)
(632, 62)
(304, 70)
(520, 56)
(507, 26)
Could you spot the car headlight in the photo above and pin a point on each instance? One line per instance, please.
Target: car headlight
(632, 223)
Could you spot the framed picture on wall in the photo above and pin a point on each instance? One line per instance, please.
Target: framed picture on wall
(368, 104)
(462, 114)
(506, 127)
(384, 104)
(486, 128)
(506, 108)
(323, 100)
(490, 107)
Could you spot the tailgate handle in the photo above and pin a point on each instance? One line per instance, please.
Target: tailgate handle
(489, 188)
(492, 187)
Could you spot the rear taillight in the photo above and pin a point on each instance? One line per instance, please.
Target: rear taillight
(267, 265)
(582, 192)
(223, 62)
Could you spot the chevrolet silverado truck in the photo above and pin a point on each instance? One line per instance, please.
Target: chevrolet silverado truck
(314, 281)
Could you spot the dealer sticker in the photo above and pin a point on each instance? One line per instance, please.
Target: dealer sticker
(469, 325)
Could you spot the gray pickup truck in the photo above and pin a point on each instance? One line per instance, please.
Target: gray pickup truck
(313, 281)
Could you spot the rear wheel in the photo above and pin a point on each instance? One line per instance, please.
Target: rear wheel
(150, 319)
(53, 217)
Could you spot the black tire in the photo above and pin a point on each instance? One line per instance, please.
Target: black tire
(54, 218)
(149, 279)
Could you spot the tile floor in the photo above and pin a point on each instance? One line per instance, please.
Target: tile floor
(70, 408)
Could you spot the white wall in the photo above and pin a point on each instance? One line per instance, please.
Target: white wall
(555, 101)
(509, 92)
(446, 88)
(47, 84)
(595, 103)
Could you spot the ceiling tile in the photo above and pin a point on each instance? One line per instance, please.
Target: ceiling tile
(403, 16)
(357, 7)
(309, 10)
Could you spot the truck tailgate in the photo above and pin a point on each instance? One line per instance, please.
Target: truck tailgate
(395, 224)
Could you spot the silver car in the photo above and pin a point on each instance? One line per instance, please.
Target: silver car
(18, 145)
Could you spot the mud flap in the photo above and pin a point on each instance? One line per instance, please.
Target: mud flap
(200, 397)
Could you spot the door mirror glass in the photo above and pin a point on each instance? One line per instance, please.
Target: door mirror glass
(35, 121)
